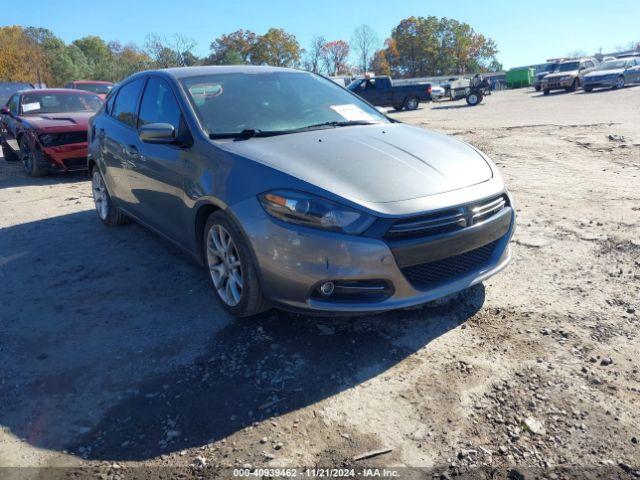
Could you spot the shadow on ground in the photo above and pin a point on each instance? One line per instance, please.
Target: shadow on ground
(113, 347)
(12, 175)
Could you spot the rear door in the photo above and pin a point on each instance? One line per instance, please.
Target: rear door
(118, 138)
(157, 170)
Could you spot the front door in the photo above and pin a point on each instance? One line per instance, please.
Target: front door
(157, 170)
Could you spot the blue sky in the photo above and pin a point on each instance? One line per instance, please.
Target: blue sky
(526, 31)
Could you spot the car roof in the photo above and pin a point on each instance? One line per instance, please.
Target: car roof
(185, 72)
(56, 90)
(84, 82)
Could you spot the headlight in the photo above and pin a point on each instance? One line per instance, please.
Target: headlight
(48, 139)
(316, 212)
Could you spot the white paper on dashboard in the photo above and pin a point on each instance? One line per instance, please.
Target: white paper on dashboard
(28, 107)
(351, 112)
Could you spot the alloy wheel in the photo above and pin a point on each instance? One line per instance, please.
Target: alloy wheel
(224, 263)
(412, 104)
(100, 195)
(620, 82)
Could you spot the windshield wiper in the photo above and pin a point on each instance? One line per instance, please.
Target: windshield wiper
(256, 132)
(345, 123)
(247, 133)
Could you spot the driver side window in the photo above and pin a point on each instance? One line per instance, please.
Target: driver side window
(159, 105)
(13, 104)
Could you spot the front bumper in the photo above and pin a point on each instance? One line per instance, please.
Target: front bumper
(556, 84)
(72, 156)
(294, 260)
(600, 82)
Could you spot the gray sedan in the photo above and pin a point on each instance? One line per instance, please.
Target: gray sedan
(613, 74)
(295, 193)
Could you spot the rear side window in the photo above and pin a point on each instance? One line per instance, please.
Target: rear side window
(159, 105)
(126, 103)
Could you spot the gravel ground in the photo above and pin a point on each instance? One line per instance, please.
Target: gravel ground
(114, 354)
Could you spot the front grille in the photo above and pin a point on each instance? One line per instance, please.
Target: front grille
(448, 220)
(57, 139)
(77, 163)
(431, 274)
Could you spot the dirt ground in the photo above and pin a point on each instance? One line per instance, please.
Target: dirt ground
(113, 353)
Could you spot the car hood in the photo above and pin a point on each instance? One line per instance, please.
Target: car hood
(602, 73)
(562, 74)
(58, 122)
(375, 163)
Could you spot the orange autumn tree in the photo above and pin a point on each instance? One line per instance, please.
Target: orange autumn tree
(21, 58)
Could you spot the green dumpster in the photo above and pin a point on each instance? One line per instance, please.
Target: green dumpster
(520, 77)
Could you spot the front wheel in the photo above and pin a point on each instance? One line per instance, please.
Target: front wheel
(574, 86)
(620, 82)
(537, 87)
(411, 103)
(232, 268)
(474, 98)
(32, 161)
(107, 212)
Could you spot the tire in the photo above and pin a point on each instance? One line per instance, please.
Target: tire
(588, 89)
(546, 91)
(411, 103)
(397, 108)
(474, 98)
(537, 87)
(107, 212)
(32, 161)
(243, 296)
(574, 86)
(620, 82)
(8, 153)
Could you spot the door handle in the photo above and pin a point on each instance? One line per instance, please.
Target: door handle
(133, 151)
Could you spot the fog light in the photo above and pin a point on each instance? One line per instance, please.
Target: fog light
(327, 288)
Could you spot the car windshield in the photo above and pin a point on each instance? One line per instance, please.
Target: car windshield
(100, 88)
(613, 64)
(550, 67)
(568, 67)
(46, 102)
(275, 102)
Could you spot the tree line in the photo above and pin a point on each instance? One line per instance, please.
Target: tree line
(417, 46)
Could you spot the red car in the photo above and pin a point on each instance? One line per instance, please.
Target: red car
(98, 87)
(47, 129)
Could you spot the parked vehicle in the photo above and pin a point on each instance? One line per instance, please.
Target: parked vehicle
(437, 92)
(548, 68)
(568, 76)
(99, 87)
(293, 192)
(613, 74)
(381, 92)
(47, 129)
(9, 88)
(342, 80)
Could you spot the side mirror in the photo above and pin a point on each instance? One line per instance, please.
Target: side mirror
(5, 111)
(157, 133)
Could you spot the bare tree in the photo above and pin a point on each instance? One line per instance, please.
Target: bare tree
(313, 60)
(183, 47)
(173, 51)
(364, 43)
